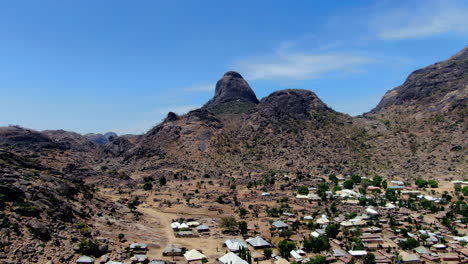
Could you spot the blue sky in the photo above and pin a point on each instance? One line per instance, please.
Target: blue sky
(97, 66)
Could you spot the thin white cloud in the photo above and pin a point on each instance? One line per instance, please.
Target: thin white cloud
(285, 64)
(422, 20)
(200, 88)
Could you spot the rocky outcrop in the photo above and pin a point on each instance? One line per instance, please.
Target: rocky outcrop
(100, 138)
(232, 88)
(291, 103)
(439, 87)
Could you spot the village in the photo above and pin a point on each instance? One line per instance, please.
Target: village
(273, 219)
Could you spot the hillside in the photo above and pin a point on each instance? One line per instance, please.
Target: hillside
(417, 129)
(50, 179)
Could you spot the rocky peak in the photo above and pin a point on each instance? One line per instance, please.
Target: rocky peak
(438, 87)
(295, 103)
(232, 87)
(461, 55)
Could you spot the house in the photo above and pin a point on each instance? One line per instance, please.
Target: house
(338, 252)
(451, 257)
(258, 242)
(422, 250)
(193, 224)
(371, 211)
(357, 253)
(139, 258)
(318, 232)
(296, 255)
(257, 256)
(235, 244)
(137, 248)
(193, 255)
(281, 261)
(308, 217)
(183, 226)
(280, 225)
(439, 247)
(323, 220)
(104, 259)
(173, 250)
(203, 228)
(175, 226)
(369, 238)
(160, 261)
(409, 257)
(231, 258)
(85, 260)
(185, 234)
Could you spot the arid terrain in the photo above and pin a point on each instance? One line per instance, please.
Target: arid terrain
(240, 163)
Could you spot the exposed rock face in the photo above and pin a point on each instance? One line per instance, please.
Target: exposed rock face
(438, 87)
(232, 87)
(291, 103)
(39, 229)
(100, 138)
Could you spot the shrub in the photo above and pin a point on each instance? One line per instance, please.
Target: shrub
(267, 252)
(147, 186)
(303, 190)
(89, 247)
(162, 181)
(433, 183)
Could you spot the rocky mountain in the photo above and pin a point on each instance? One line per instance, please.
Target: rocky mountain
(232, 95)
(100, 138)
(48, 178)
(45, 213)
(293, 130)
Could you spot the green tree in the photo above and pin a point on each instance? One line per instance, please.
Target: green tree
(384, 184)
(433, 183)
(229, 223)
(349, 184)
(336, 188)
(421, 183)
(333, 179)
(391, 195)
(368, 259)
(267, 252)
(377, 181)
(147, 186)
(332, 230)
(242, 212)
(134, 203)
(409, 243)
(316, 244)
(243, 227)
(322, 189)
(162, 181)
(356, 178)
(465, 190)
(285, 247)
(303, 190)
(318, 260)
